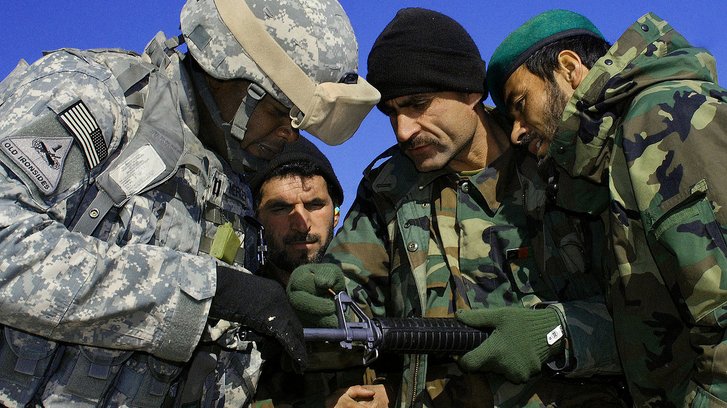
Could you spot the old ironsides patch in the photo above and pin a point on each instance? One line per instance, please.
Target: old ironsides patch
(40, 158)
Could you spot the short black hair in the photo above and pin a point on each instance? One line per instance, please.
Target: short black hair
(303, 169)
(301, 158)
(544, 61)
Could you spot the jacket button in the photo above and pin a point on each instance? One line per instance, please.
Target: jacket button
(407, 225)
(465, 186)
(608, 62)
(644, 28)
(561, 149)
(412, 247)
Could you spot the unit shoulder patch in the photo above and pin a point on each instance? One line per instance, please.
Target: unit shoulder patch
(40, 158)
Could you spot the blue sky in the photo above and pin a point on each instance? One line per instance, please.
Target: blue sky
(29, 27)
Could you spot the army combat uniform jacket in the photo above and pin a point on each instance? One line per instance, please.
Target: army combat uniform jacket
(425, 244)
(649, 125)
(104, 300)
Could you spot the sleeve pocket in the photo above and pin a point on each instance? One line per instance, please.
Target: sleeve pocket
(689, 231)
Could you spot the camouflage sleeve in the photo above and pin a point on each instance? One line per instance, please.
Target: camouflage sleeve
(576, 263)
(674, 147)
(591, 348)
(360, 249)
(71, 287)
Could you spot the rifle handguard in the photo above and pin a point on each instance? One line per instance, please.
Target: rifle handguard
(428, 335)
(398, 335)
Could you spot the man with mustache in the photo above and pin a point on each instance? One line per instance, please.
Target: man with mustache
(297, 198)
(635, 131)
(449, 222)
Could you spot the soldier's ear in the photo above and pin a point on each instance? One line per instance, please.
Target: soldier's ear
(571, 67)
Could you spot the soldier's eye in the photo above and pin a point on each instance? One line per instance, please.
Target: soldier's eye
(517, 106)
(420, 103)
(520, 105)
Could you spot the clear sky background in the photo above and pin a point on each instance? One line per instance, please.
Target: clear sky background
(29, 27)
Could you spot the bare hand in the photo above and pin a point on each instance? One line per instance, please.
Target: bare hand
(371, 396)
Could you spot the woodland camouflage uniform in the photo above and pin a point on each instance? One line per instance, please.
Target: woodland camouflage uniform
(649, 123)
(426, 244)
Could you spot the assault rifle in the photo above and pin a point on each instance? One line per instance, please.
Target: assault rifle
(397, 335)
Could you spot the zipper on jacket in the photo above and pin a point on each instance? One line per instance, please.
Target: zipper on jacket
(417, 361)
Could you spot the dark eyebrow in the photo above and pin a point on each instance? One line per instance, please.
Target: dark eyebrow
(276, 202)
(414, 100)
(405, 101)
(317, 200)
(391, 107)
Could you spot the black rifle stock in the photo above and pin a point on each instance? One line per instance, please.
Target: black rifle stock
(398, 335)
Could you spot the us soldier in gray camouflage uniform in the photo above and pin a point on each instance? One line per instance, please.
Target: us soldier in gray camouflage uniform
(126, 241)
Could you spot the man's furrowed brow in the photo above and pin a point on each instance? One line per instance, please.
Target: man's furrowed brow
(274, 203)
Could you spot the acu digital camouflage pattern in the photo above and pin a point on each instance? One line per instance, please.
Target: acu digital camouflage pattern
(480, 247)
(650, 120)
(316, 34)
(137, 293)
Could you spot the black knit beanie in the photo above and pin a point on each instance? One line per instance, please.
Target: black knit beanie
(300, 150)
(422, 51)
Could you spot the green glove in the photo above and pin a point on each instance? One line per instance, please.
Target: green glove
(519, 343)
(311, 289)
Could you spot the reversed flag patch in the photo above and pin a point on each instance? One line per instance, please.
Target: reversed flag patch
(79, 121)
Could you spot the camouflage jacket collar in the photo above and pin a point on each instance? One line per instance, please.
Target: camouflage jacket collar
(493, 182)
(648, 53)
(398, 179)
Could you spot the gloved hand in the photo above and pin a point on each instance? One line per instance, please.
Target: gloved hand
(309, 291)
(261, 305)
(518, 345)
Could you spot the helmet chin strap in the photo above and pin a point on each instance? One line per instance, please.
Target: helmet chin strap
(242, 161)
(234, 131)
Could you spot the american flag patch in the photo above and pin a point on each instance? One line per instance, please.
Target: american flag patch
(79, 121)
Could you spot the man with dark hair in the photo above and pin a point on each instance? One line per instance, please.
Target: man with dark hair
(635, 132)
(450, 222)
(297, 198)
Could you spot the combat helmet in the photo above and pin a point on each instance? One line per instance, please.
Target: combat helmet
(231, 39)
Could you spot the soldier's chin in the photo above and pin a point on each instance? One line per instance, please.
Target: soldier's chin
(427, 164)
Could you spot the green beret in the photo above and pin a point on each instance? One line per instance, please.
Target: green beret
(536, 33)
